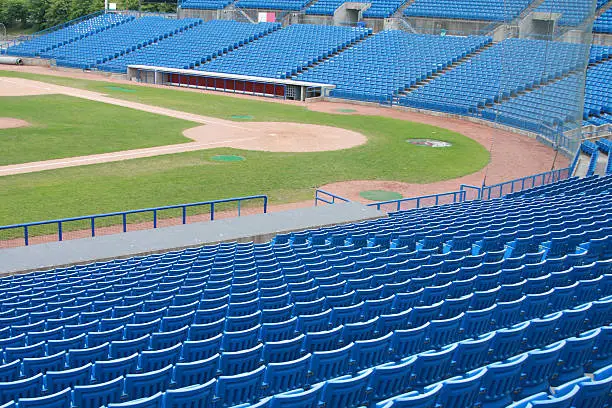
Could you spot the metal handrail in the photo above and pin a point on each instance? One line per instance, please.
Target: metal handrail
(458, 196)
(154, 210)
(325, 199)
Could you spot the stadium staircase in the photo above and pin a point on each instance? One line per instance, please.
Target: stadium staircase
(603, 9)
(441, 72)
(314, 64)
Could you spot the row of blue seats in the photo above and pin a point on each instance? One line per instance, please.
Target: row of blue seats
(584, 392)
(490, 10)
(194, 47)
(364, 354)
(66, 35)
(603, 23)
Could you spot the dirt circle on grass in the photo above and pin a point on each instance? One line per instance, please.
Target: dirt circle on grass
(275, 136)
(11, 123)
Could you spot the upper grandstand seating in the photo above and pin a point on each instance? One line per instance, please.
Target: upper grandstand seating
(188, 50)
(357, 71)
(490, 10)
(47, 42)
(480, 302)
(489, 76)
(205, 4)
(125, 38)
(603, 23)
(573, 12)
(377, 9)
(292, 5)
(287, 51)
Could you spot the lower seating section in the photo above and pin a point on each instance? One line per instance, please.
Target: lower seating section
(598, 93)
(489, 10)
(379, 67)
(293, 5)
(476, 304)
(377, 9)
(288, 51)
(67, 35)
(489, 77)
(573, 12)
(194, 47)
(205, 4)
(125, 38)
(587, 185)
(603, 23)
(546, 108)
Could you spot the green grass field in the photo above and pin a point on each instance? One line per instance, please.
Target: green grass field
(63, 126)
(193, 176)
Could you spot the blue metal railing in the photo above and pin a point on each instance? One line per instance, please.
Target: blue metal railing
(513, 186)
(328, 198)
(61, 223)
(424, 201)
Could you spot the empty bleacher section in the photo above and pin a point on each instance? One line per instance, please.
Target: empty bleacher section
(357, 71)
(292, 5)
(490, 76)
(46, 42)
(288, 51)
(377, 8)
(194, 47)
(205, 4)
(475, 304)
(125, 38)
(573, 12)
(603, 23)
(490, 10)
(598, 94)
(547, 107)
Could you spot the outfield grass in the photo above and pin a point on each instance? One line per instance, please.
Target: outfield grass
(64, 126)
(193, 176)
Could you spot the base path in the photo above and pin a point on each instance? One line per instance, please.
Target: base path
(264, 136)
(512, 155)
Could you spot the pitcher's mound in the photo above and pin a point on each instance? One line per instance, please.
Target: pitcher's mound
(275, 137)
(11, 123)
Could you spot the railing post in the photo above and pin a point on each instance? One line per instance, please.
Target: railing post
(59, 231)
(239, 201)
(26, 238)
(93, 226)
(124, 219)
(212, 211)
(154, 218)
(418, 205)
(399, 205)
(265, 204)
(184, 214)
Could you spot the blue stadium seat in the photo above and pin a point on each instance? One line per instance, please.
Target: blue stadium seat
(325, 365)
(148, 383)
(60, 399)
(97, 395)
(347, 391)
(286, 376)
(56, 381)
(200, 395)
(500, 381)
(240, 388)
(154, 401)
(196, 372)
(107, 370)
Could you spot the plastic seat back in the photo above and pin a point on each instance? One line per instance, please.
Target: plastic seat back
(286, 375)
(95, 396)
(60, 399)
(195, 396)
(56, 381)
(432, 366)
(460, 392)
(107, 370)
(149, 383)
(330, 364)
(240, 388)
(196, 372)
